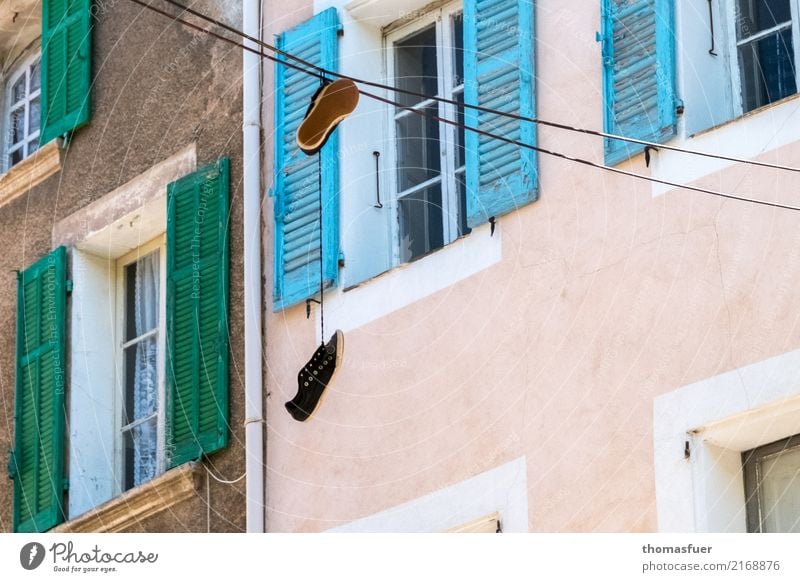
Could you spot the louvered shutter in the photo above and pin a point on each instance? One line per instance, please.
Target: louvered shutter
(66, 66)
(638, 74)
(197, 314)
(297, 180)
(37, 461)
(499, 74)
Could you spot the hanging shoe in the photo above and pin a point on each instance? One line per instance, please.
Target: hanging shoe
(314, 378)
(332, 102)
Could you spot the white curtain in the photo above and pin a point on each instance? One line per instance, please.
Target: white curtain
(145, 389)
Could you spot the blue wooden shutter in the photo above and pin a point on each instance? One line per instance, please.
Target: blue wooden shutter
(296, 180)
(499, 74)
(638, 74)
(37, 462)
(197, 313)
(66, 66)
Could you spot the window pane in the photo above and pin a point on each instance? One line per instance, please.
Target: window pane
(18, 125)
(780, 492)
(141, 444)
(141, 296)
(35, 76)
(458, 52)
(18, 90)
(33, 116)
(756, 15)
(33, 145)
(418, 154)
(767, 69)
(141, 380)
(415, 66)
(15, 157)
(421, 226)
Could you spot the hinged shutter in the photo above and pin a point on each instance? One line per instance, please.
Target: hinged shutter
(66, 66)
(37, 463)
(499, 74)
(197, 314)
(297, 188)
(638, 49)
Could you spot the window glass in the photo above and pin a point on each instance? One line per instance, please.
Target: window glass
(780, 491)
(430, 154)
(140, 370)
(755, 16)
(23, 110)
(767, 67)
(766, 52)
(416, 68)
(418, 152)
(421, 222)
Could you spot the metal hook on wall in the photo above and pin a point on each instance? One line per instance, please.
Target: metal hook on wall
(377, 179)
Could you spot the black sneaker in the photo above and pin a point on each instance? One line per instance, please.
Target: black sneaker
(314, 378)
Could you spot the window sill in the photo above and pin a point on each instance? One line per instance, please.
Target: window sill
(30, 172)
(133, 506)
(408, 283)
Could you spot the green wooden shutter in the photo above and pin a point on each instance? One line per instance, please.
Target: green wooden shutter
(499, 74)
(66, 66)
(37, 462)
(296, 180)
(638, 74)
(197, 313)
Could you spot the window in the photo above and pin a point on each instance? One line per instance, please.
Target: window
(140, 288)
(24, 106)
(429, 155)
(766, 45)
(772, 487)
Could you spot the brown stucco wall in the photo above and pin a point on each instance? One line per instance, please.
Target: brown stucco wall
(158, 88)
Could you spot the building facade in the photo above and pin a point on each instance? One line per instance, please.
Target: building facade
(119, 204)
(533, 343)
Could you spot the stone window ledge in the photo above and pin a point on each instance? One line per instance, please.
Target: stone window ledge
(30, 172)
(138, 504)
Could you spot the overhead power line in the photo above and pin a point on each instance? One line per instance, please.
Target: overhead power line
(423, 113)
(425, 97)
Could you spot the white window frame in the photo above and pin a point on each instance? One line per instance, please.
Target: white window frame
(700, 432)
(732, 9)
(157, 244)
(21, 69)
(442, 17)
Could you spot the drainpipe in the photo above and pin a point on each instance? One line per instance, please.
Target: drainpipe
(251, 130)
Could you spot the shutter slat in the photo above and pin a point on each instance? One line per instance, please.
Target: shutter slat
(39, 408)
(297, 194)
(638, 74)
(197, 314)
(499, 71)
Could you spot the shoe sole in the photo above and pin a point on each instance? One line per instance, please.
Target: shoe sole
(334, 103)
(339, 352)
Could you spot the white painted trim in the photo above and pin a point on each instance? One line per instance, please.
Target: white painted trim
(409, 283)
(502, 490)
(121, 220)
(757, 133)
(720, 418)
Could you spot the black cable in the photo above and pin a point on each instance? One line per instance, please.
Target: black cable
(480, 108)
(476, 130)
(321, 248)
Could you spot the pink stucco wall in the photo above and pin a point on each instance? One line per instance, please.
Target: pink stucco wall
(605, 297)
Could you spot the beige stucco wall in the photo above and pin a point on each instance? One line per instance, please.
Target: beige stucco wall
(605, 297)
